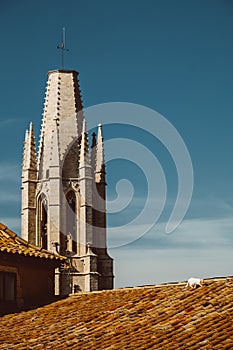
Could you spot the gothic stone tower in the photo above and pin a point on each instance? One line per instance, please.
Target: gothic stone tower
(63, 189)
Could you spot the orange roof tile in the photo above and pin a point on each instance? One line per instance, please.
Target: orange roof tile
(155, 317)
(11, 243)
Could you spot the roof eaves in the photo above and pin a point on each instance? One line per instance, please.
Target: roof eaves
(31, 250)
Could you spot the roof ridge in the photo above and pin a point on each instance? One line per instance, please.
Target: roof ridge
(156, 285)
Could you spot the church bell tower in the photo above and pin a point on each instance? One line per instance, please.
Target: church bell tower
(64, 189)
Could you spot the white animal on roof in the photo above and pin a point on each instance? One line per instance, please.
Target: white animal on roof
(194, 282)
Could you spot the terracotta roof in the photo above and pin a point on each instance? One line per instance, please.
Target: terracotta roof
(11, 243)
(155, 317)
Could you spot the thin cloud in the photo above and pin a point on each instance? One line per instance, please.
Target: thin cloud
(9, 171)
(7, 122)
(199, 247)
(190, 235)
(141, 267)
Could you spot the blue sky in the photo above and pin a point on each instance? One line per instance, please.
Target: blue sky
(175, 57)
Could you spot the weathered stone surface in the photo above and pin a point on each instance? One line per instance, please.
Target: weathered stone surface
(61, 209)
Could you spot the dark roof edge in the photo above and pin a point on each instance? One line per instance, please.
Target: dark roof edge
(37, 249)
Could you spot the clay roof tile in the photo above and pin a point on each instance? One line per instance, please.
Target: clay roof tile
(157, 317)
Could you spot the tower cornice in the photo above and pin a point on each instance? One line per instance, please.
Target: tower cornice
(63, 71)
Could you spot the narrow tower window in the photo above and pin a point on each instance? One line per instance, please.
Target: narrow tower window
(71, 217)
(43, 237)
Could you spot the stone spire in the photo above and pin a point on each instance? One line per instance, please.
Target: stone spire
(84, 148)
(93, 154)
(25, 149)
(99, 213)
(100, 164)
(29, 158)
(29, 177)
(63, 104)
(99, 195)
(85, 185)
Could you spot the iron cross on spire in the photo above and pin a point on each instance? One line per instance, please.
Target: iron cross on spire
(62, 47)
